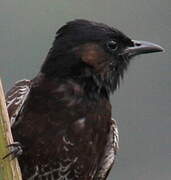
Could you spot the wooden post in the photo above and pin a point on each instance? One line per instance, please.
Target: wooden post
(9, 169)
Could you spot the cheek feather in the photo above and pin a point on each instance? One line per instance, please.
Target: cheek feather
(93, 55)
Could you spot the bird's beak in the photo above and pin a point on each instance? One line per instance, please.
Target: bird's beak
(142, 47)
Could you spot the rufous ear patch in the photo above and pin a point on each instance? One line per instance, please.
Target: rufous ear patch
(92, 54)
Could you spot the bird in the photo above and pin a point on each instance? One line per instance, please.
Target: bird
(61, 120)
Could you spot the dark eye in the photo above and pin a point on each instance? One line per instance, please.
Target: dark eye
(112, 45)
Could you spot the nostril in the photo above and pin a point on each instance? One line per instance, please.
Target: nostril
(137, 44)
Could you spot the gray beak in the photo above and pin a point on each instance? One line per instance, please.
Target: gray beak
(142, 47)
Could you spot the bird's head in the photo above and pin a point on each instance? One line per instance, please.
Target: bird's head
(93, 54)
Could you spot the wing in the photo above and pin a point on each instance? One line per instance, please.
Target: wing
(16, 97)
(110, 153)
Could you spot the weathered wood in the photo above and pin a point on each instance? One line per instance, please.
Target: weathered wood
(9, 169)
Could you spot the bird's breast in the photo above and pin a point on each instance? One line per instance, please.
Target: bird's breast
(54, 130)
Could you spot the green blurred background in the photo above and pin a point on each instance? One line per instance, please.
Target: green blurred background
(142, 105)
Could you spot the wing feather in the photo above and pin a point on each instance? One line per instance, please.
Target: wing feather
(16, 97)
(110, 152)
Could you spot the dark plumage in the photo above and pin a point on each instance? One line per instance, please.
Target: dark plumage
(62, 117)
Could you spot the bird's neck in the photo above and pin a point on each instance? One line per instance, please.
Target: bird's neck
(93, 87)
(89, 88)
(68, 67)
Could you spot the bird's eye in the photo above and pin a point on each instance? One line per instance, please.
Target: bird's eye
(112, 45)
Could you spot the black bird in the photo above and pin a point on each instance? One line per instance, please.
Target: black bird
(62, 117)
